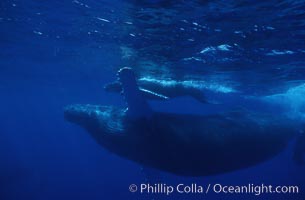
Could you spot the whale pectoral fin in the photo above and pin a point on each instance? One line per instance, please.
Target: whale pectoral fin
(153, 95)
(137, 106)
(299, 151)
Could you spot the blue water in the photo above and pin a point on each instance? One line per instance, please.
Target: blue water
(55, 53)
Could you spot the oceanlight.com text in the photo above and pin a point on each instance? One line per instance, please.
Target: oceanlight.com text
(194, 188)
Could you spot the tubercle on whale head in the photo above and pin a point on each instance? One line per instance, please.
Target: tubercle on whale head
(95, 117)
(108, 125)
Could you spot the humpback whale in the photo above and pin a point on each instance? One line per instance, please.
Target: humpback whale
(161, 89)
(185, 144)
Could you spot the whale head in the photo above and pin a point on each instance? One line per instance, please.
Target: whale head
(105, 119)
(104, 123)
(111, 128)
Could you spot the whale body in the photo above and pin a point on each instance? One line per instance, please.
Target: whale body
(184, 144)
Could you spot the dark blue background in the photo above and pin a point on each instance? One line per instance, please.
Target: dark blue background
(49, 60)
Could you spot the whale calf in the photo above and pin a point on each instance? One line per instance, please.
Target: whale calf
(185, 144)
(155, 89)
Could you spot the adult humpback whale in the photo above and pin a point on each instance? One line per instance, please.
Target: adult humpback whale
(189, 145)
